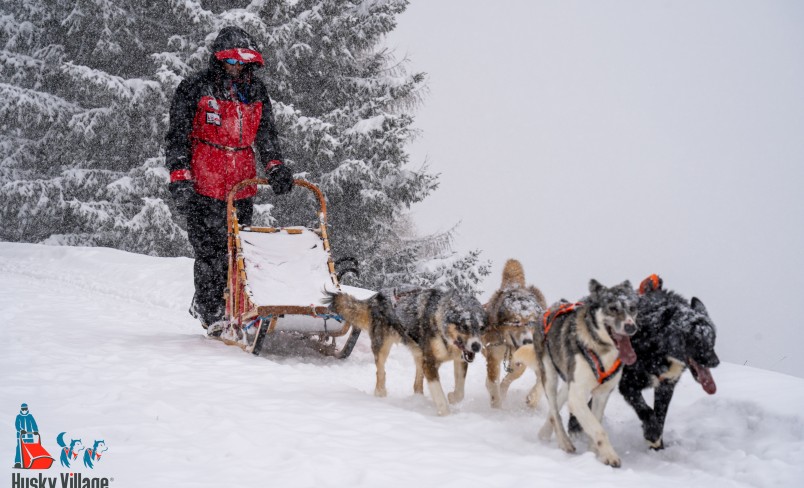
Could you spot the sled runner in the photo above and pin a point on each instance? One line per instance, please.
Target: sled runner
(34, 456)
(277, 280)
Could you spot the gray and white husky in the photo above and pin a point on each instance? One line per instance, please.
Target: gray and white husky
(586, 344)
(437, 326)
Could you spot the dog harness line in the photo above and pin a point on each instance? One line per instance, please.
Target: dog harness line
(651, 283)
(594, 361)
(563, 309)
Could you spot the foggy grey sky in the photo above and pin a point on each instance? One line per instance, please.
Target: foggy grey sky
(615, 139)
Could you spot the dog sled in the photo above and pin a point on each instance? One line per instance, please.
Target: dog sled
(277, 281)
(34, 456)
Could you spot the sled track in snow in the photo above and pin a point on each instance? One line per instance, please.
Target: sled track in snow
(105, 288)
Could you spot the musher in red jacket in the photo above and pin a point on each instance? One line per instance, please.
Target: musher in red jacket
(217, 119)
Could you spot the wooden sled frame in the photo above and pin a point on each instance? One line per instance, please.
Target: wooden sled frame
(247, 319)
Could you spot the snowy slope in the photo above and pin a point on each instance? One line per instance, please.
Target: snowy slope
(99, 344)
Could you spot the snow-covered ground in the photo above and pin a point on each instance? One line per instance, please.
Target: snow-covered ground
(100, 346)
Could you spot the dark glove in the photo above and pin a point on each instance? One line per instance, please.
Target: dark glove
(36, 432)
(182, 192)
(280, 177)
(23, 432)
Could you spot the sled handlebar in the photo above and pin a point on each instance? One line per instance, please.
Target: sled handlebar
(29, 435)
(322, 203)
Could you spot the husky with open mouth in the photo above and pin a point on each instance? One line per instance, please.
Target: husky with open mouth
(586, 345)
(437, 326)
(674, 334)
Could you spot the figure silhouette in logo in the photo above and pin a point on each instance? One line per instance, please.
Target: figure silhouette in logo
(26, 424)
(93, 454)
(69, 453)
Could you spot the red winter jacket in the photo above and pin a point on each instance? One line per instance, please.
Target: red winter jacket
(215, 125)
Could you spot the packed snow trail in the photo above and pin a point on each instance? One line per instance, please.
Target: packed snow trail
(99, 344)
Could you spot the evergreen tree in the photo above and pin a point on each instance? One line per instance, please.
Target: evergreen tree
(82, 119)
(85, 87)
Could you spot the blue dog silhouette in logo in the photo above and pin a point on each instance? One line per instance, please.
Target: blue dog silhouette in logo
(68, 453)
(93, 454)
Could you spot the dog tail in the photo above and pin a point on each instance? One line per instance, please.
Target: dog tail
(356, 312)
(60, 440)
(513, 274)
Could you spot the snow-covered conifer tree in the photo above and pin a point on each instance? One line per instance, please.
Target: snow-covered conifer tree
(82, 119)
(85, 88)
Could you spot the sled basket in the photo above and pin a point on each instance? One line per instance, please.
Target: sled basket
(277, 281)
(34, 456)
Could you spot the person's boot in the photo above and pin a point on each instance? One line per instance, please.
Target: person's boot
(216, 328)
(17, 466)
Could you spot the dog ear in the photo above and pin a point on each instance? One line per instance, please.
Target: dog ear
(698, 306)
(627, 284)
(595, 286)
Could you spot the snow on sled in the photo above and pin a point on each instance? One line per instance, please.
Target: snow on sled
(277, 282)
(34, 456)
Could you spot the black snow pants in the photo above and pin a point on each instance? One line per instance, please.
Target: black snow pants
(206, 229)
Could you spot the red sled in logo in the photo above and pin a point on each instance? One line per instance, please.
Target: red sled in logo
(34, 456)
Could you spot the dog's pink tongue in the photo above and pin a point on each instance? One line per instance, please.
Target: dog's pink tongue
(623, 343)
(704, 377)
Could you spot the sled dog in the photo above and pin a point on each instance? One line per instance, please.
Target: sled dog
(515, 310)
(69, 452)
(674, 334)
(437, 326)
(586, 344)
(93, 454)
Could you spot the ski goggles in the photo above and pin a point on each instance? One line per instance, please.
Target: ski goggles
(234, 61)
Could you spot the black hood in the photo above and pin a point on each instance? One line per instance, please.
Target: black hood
(232, 37)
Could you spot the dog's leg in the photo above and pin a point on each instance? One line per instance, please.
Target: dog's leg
(553, 423)
(418, 381)
(524, 358)
(661, 402)
(578, 406)
(517, 370)
(573, 427)
(461, 367)
(633, 396)
(535, 394)
(434, 384)
(600, 401)
(381, 349)
(493, 376)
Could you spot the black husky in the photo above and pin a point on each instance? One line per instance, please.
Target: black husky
(673, 334)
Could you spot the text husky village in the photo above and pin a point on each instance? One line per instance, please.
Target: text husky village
(64, 480)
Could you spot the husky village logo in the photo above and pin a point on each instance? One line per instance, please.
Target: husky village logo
(31, 455)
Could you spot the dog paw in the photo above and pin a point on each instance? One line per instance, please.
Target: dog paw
(454, 397)
(614, 462)
(442, 412)
(566, 446)
(657, 445)
(652, 429)
(607, 456)
(496, 402)
(380, 393)
(532, 400)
